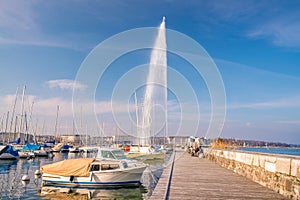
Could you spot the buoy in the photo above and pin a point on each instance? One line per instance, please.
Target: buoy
(25, 178)
(37, 172)
(25, 183)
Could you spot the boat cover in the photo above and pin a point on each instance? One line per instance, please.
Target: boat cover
(3, 149)
(58, 146)
(31, 147)
(66, 147)
(11, 150)
(71, 167)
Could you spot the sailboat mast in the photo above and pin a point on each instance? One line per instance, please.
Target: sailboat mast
(15, 130)
(30, 126)
(7, 116)
(26, 128)
(56, 121)
(86, 135)
(81, 130)
(102, 134)
(1, 130)
(73, 128)
(137, 117)
(22, 112)
(43, 128)
(35, 130)
(13, 111)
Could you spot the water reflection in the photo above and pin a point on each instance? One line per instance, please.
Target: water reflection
(5, 165)
(10, 176)
(90, 193)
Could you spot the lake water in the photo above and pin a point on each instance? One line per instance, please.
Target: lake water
(11, 186)
(286, 151)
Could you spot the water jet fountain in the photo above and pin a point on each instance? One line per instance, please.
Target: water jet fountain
(155, 96)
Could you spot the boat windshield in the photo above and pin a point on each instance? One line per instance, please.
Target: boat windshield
(107, 154)
(113, 154)
(119, 154)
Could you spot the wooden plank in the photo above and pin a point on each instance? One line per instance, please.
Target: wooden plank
(195, 178)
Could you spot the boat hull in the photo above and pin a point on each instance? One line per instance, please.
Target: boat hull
(41, 153)
(92, 184)
(26, 154)
(8, 156)
(127, 178)
(7, 153)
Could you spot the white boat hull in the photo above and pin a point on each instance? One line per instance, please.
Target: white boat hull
(5, 155)
(8, 156)
(26, 154)
(124, 177)
(41, 153)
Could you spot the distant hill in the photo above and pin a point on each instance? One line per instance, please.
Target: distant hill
(229, 142)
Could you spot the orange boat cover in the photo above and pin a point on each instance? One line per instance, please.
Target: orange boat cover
(71, 167)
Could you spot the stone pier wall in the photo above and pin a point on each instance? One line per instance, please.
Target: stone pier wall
(278, 172)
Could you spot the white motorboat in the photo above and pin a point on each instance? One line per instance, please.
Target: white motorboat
(88, 149)
(42, 153)
(8, 153)
(91, 172)
(57, 147)
(26, 154)
(140, 149)
(74, 150)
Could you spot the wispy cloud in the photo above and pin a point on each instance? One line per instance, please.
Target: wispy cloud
(47, 106)
(231, 10)
(290, 122)
(20, 24)
(277, 22)
(282, 32)
(282, 103)
(250, 69)
(31, 42)
(65, 84)
(17, 15)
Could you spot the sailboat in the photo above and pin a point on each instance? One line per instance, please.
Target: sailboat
(8, 153)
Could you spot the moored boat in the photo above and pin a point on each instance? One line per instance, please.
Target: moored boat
(26, 154)
(28, 150)
(140, 149)
(65, 148)
(88, 149)
(42, 152)
(91, 172)
(8, 153)
(74, 149)
(57, 147)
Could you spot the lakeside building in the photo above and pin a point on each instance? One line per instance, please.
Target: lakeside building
(82, 139)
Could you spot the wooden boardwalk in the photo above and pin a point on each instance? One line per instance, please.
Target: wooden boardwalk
(195, 178)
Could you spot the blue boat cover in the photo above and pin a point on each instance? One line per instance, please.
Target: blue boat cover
(18, 141)
(66, 146)
(12, 151)
(31, 147)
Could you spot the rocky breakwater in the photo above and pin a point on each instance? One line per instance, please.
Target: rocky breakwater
(280, 173)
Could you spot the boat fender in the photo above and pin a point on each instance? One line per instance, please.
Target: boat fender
(71, 178)
(37, 172)
(92, 176)
(25, 178)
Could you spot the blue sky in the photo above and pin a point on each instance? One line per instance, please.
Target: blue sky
(255, 44)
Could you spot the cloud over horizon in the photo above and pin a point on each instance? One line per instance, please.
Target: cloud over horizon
(65, 84)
